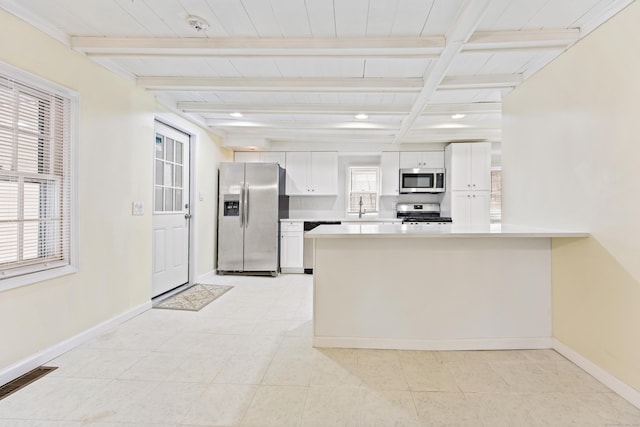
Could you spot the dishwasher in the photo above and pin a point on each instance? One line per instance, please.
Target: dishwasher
(307, 246)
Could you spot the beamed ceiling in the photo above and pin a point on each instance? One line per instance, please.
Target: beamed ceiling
(301, 70)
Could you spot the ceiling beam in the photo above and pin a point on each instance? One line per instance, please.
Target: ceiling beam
(210, 107)
(423, 47)
(522, 39)
(466, 108)
(433, 109)
(354, 125)
(240, 84)
(356, 47)
(460, 32)
(480, 81)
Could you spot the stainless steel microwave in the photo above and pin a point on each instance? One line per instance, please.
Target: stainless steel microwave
(420, 180)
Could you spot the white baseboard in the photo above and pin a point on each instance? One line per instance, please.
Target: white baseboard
(440, 345)
(614, 383)
(22, 367)
(207, 277)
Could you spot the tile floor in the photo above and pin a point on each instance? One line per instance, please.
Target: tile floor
(246, 360)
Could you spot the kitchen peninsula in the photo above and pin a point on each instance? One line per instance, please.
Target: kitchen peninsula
(433, 287)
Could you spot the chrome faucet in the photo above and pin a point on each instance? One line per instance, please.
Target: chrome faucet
(360, 210)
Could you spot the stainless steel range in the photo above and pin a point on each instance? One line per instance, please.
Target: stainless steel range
(418, 213)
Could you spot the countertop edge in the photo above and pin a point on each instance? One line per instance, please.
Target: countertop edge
(435, 232)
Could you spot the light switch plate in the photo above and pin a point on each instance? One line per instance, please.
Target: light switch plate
(137, 208)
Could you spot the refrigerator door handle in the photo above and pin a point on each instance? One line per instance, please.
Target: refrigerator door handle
(246, 207)
(242, 207)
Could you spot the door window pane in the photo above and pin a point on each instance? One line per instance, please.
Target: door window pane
(159, 170)
(169, 149)
(159, 201)
(178, 177)
(168, 199)
(168, 175)
(179, 148)
(159, 147)
(178, 205)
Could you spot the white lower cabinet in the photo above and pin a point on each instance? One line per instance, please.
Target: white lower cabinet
(470, 207)
(291, 247)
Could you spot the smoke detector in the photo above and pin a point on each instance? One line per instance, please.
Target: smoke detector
(197, 23)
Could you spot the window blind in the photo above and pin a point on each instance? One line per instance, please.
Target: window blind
(35, 178)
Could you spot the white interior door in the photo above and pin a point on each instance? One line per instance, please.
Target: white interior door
(171, 212)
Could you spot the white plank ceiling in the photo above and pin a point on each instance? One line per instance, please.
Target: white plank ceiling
(300, 70)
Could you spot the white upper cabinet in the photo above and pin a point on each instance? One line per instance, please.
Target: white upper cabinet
(422, 159)
(273, 157)
(312, 173)
(390, 173)
(470, 166)
(246, 156)
(260, 157)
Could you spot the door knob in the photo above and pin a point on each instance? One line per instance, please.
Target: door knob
(187, 216)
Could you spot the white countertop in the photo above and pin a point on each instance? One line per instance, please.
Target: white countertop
(435, 231)
(349, 219)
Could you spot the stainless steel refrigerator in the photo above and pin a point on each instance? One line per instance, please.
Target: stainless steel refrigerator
(251, 202)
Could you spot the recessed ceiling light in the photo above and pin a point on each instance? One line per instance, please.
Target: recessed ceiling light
(361, 116)
(457, 116)
(236, 114)
(197, 23)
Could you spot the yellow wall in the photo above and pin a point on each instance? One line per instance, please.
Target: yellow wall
(115, 168)
(570, 160)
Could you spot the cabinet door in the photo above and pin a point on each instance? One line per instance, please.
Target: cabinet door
(460, 166)
(480, 163)
(390, 173)
(273, 157)
(298, 165)
(470, 207)
(433, 159)
(291, 249)
(479, 208)
(461, 207)
(410, 159)
(324, 173)
(246, 156)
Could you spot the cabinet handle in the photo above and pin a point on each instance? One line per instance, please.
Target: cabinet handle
(474, 185)
(468, 185)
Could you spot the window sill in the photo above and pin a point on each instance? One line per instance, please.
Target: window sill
(31, 278)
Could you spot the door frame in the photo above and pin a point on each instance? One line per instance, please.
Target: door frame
(193, 222)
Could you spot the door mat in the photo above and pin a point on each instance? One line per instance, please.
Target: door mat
(193, 298)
